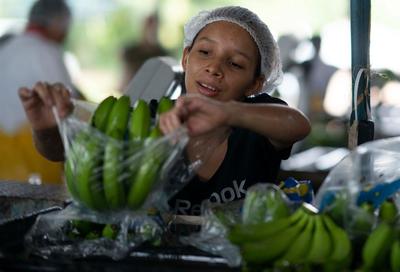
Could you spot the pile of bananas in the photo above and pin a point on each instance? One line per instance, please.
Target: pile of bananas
(304, 238)
(381, 250)
(113, 164)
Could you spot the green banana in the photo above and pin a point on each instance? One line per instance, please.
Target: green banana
(139, 129)
(69, 174)
(388, 211)
(321, 243)
(113, 174)
(101, 114)
(297, 252)
(164, 105)
(147, 172)
(272, 247)
(152, 160)
(109, 231)
(341, 244)
(395, 256)
(118, 118)
(88, 152)
(83, 227)
(377, 246)
(113, 154)
(242, 233)
(140, 121)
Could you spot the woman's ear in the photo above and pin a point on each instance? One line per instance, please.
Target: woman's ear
(256, 86)
(185, 57)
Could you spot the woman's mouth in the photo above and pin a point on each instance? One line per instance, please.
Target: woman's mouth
(207, 90)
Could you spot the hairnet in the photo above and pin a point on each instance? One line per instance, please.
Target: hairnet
(271, 66)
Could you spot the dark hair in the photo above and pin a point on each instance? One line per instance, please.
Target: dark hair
(43, 11)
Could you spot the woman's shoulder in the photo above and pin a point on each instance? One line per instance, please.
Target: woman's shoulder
(264, 98)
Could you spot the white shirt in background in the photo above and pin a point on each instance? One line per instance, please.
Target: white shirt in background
(25, 60)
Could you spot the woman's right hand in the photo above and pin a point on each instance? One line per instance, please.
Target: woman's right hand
(39, 100)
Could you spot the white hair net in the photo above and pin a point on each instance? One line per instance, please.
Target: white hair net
(271, 66)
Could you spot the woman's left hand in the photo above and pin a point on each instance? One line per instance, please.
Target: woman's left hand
(200, 114)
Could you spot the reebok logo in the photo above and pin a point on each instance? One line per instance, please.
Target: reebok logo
(227, 194)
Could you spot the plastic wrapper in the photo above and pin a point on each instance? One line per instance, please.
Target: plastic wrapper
(263, 203)
(103, 173)
(118, 186)
(212, 236)
(73, 232)
(360, 183)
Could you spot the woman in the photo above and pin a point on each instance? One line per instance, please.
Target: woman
(229, 56)
(230, 61)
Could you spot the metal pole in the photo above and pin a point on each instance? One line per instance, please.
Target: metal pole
(360, 120)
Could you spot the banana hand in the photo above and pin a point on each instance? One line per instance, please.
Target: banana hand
(272, 247)
(297, 252)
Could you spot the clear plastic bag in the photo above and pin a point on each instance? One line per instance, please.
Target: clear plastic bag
(74, 232)
(104, 174)
(263, 203)
(109, 216)
(358, 185)
(212, 236)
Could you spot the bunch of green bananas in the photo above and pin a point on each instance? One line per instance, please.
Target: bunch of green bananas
(113, 164)
(381, 250)
(302, 238)
(264, 202)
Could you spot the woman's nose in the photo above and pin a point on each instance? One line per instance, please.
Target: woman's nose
(214, 68)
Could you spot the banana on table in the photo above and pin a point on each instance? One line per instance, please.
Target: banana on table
(315, 240)
(302, 238)
(110, 165)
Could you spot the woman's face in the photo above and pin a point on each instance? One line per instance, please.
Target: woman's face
(222, 63)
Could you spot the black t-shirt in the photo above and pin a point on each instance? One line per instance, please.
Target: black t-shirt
(250, 159)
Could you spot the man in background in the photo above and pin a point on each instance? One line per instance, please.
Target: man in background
(32, 56)
(134, 55)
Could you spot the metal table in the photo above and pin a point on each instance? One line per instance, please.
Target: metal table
(33, 201)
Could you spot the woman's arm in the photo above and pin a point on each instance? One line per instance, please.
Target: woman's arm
(282, 125)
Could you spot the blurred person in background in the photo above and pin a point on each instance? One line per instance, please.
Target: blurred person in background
(6, 37)
(317, 74)
(32, 56)
(135, 54)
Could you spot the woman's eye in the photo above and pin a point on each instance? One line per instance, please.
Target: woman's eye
(236, 65)
(203, 52)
